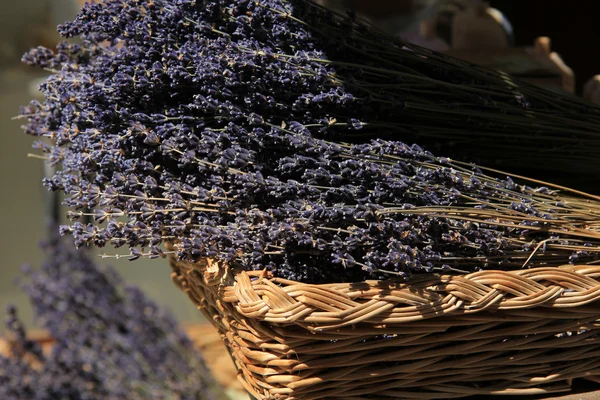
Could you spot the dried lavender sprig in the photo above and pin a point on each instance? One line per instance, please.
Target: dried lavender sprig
(111, 341)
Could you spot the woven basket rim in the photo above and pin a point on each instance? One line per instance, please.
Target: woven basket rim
(547, 291)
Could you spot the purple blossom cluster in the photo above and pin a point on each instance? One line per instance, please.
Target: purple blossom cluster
(112, 342)
(220, 127)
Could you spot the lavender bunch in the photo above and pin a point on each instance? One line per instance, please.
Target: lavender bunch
(112, 342)
(218, 127)
(291, 60)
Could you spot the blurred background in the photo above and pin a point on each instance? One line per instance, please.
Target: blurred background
(482, 36)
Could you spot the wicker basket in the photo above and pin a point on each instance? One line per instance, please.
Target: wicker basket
(494, 332)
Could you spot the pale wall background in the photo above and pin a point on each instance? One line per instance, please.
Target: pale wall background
(26, 23)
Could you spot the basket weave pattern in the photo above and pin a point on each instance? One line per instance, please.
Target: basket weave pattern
(491, 332)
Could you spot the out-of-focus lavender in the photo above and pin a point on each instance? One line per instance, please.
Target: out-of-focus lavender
(210, 125)
(111, 341)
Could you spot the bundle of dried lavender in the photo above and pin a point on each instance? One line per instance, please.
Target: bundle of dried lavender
(218, 126)
(112, 342)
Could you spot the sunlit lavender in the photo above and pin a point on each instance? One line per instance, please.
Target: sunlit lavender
(220, 127)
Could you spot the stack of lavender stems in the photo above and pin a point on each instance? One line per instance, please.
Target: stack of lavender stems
(260, 133)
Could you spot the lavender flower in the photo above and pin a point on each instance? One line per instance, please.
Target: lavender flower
(218, 126)
(112, 342)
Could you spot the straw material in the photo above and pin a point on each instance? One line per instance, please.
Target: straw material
(491, 332)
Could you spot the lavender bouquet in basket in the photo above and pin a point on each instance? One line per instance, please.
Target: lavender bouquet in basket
(244, 131)
(292, 60)
(111, 341)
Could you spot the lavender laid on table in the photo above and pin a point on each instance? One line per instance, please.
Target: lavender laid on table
(220, 127)
(111, 341)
